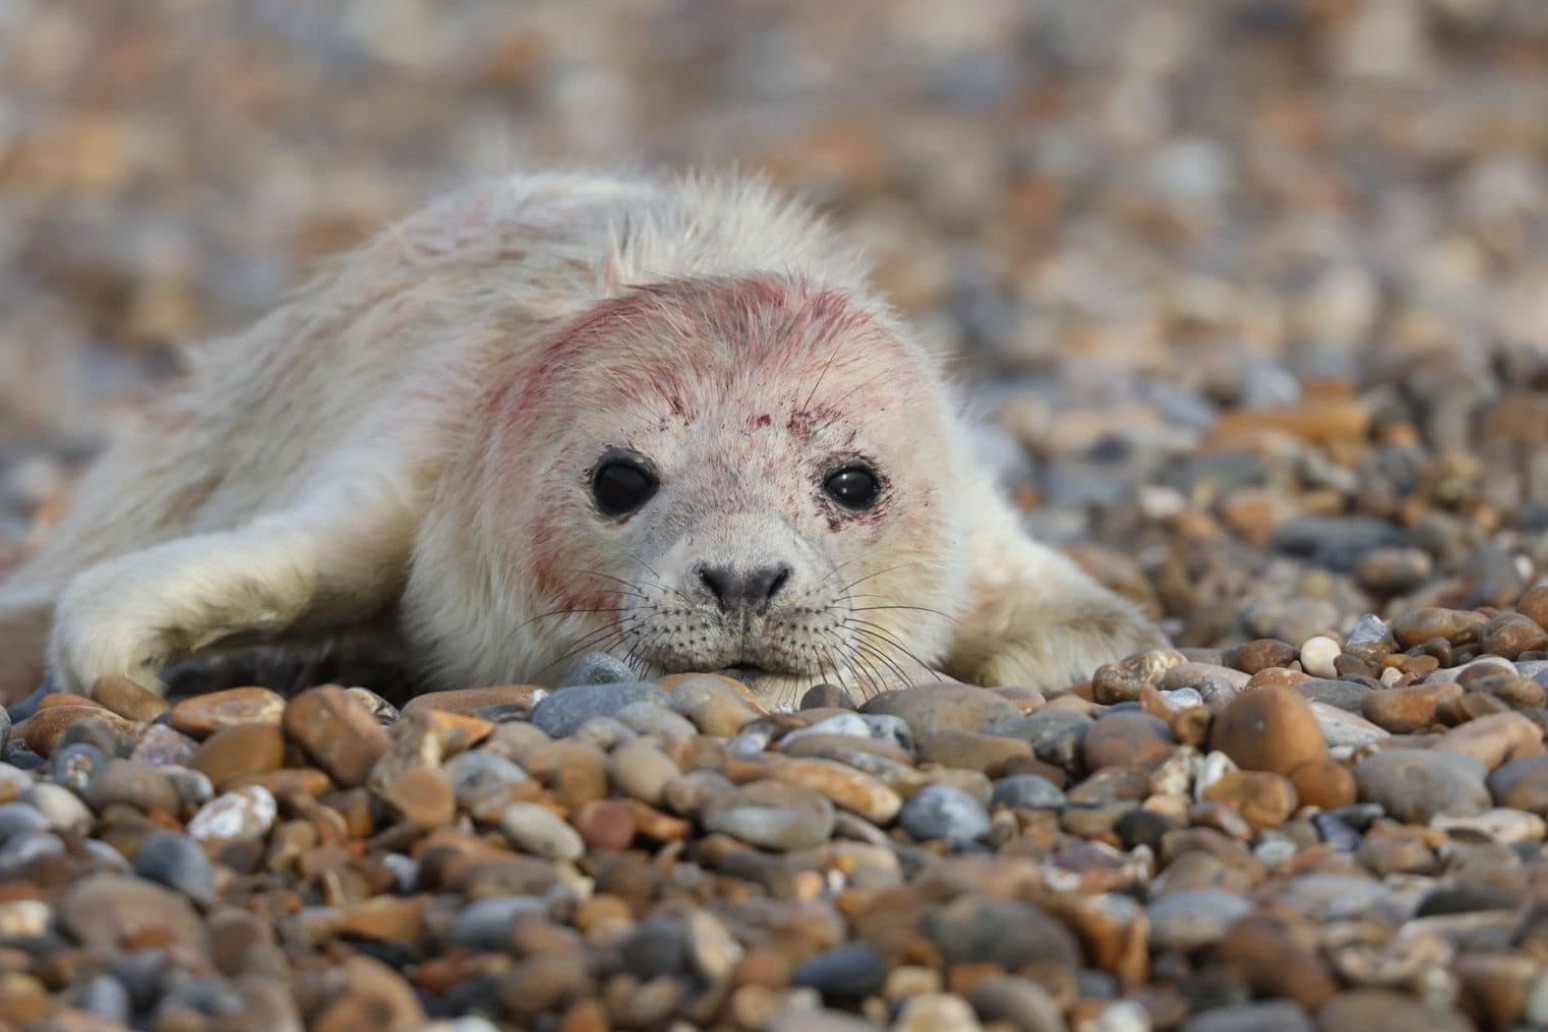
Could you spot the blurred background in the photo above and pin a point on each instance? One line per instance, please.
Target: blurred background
(1249, 289)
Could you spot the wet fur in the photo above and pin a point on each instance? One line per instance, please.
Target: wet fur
(403, 449)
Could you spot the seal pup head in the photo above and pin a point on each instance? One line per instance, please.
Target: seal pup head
(750, 475)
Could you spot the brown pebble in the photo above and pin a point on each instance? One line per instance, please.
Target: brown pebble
(1264, 799)
(203, 715)
(1276, 959)
(240, 751)
(44, 728)
(374, 997)
(421, 796)
(1494, 739)
(939, 706)
(1511, 634)
(952, 747)
(605, 824)
(574, 771)
(468, 701)
(1261, 654)
(1127, 738)
(1408, 709)
(1324, 782)
(849, 788)
(338, 734)
(717, 705)
(1386, 1010)
(1522, 784)
(129, 699)
(1268, 729)
(1533, 604)
(1419, 626)
(107, 912)
(385, 919)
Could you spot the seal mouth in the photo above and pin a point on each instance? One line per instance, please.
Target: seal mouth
(745, 671)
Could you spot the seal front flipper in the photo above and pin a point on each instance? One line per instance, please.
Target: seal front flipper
(1035, 618)
(328, 563)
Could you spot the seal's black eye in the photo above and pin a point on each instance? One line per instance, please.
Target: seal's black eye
(855, 487)
(622, 484)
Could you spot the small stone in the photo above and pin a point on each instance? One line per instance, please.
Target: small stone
(1028, 792)
(339, 734)
(179, 863)
(128, 698)
(163, 745)
(242, 813)
(1022, 1003)
(648, 718)
(1324, 783)
(61, 807)
(844, 786)
(375, 997)
(642, 771)
(975, 929)
(944, 812)
(541, 832)
(712, 950)
(502, 700)
(934, 707)
(202, 715)
(1273, 960)
(1383, 1010)
(845, 974)
(827, 696)
(771, 814)
(1317, 656)
(76, 766)
(489, 924)
(134, 784)
(1264, 799)
(1409, 709)
(1188, 919)
(1127, 738)
(1494, 739)
(968, 750)
(1414, 785)
(1522, 785)
(106, 911)
(597, 668)
(240, 751)
(1270, 729)
(605, 824)
(716, 705)
(939, 1012)
(1260, 654)
(45, 728)
(563, 712)
(420, 796)
(1273, 1016)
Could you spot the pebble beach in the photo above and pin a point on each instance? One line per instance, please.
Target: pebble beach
(1251, 302)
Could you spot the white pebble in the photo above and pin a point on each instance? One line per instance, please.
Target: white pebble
(246, 812)
(541, 832)
(1318, 654)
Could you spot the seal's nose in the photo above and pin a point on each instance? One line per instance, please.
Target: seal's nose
(752, 590)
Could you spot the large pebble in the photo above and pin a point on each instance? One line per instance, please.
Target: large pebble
(1413, 785)
(1188, 919)
(716, 705)
(537, 830)
(771, 814)
(563, 712)
(976, 929)
(102, 911)
(845, 786)
(179, 863)
(338, 733)
(247, 812)
(203, 715)
(1028, 792)
(1270, 729)
(1522, 784)
(134, 784)
(1127, 738)
(240, 751)
(935, 706)
(944, 812)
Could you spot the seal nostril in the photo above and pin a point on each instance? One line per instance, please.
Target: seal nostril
(754, 589)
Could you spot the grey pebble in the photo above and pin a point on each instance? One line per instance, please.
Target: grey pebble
(944, 812)
(657, 947)
(597, 668)
(63, 808)
(179, 863)
(1271, 1016)
(480, 768)
(194, 787)
(19, 818)
(562, 713)
(1028, 792)
(24, 847)
(648, 718)
(106, 997)
(5, 729)
(75, 766)
(487, 924)
(845, 974)
(1054, 735)
(1341, 897)
(1190, 918)
(1413, 785)
(1019, 1001)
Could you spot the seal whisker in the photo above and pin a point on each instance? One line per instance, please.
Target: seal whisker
(874, 654)
(867, 628)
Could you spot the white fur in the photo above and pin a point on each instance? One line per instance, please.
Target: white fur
(342, 464)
